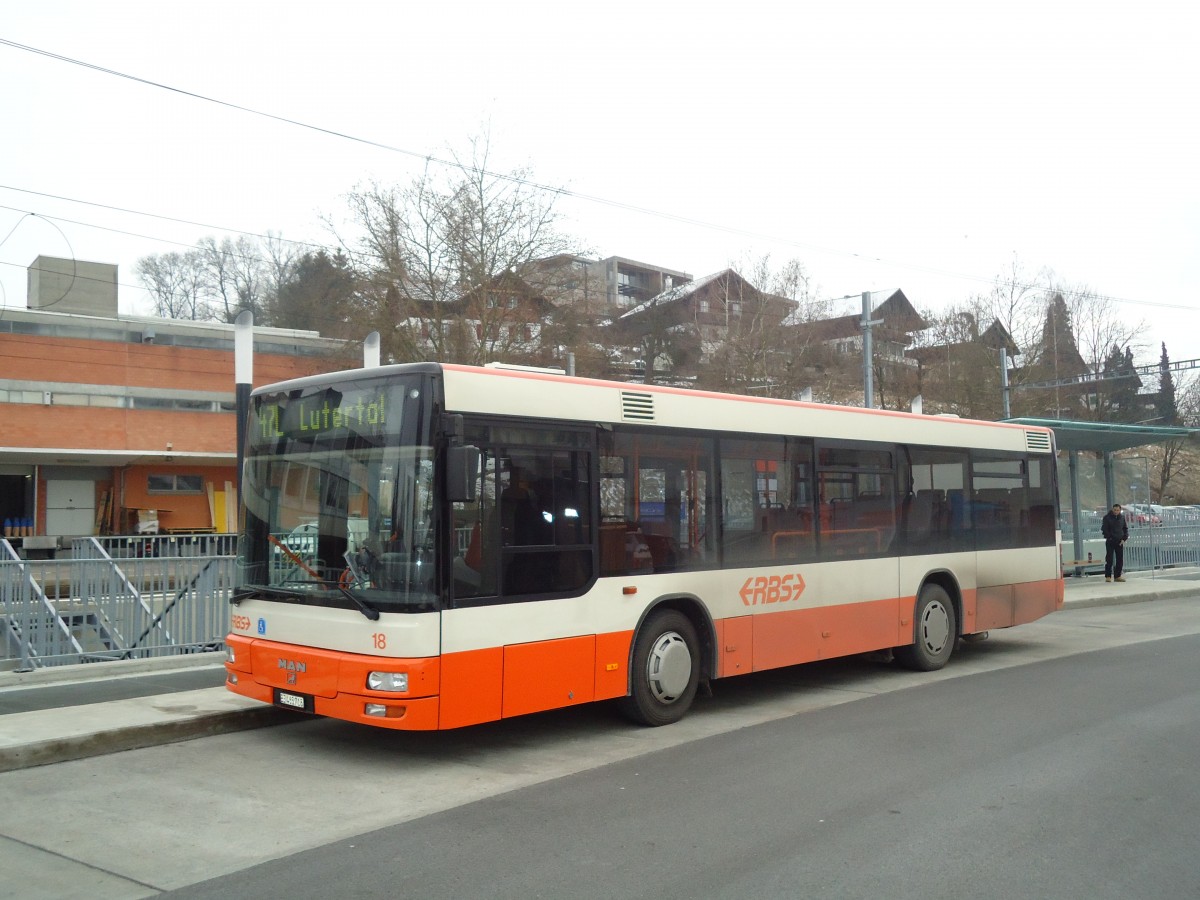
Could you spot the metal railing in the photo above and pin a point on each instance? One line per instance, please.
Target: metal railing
(1149, 547)
(165, 545)
(131, 597)
(116, 598)
(32, 629)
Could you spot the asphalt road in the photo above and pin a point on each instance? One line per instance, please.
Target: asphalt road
(1054, 760)
(1074, 778)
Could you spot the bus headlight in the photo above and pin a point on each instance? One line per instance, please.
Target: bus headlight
(388, 681)
(230, 655)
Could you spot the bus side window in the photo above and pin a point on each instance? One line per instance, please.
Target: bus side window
(623, 546)
(524, 515)
(545, 521)
(474, 560)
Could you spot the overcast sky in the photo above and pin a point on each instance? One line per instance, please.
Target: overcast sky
(915, 145)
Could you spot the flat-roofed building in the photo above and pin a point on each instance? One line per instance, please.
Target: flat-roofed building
(102, 415)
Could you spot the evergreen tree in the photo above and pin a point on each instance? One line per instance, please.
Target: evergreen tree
(1118, 387)
(1168, 412)
(1058, 353)
(318, 294)
(1108, 388)
(1125, 388)
(1055, 358)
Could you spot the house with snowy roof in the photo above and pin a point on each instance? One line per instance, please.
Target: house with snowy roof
(682, 328)
(899, 323)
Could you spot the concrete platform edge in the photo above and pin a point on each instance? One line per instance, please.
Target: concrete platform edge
(132, 737)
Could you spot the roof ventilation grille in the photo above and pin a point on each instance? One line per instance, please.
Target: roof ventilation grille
(637, 407)
(1037, 441)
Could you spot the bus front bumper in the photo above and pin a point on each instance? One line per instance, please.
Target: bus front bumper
(335, 684)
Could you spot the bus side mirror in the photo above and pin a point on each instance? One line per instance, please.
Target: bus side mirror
(462, 473)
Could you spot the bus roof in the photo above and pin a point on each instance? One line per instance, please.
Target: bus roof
(542, 395)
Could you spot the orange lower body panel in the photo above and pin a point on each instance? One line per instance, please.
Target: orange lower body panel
(1006, 605)
(1035, 599)
(471, 687)
(755, 643)
(452, 691)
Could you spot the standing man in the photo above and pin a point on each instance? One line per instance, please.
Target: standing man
(1116, 532)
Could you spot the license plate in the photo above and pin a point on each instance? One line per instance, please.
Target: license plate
(302, 702)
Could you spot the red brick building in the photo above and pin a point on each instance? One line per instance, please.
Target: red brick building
(106, 415)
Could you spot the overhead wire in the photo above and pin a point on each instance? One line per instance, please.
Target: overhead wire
(66, 240)
(309, 245)
(234, 253)
(522, 181)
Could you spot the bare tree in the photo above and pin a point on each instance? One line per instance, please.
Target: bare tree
(670, 344)
(279, 258)
(767, 347)
(176, 284)
(237, 276)
(1017, 301)
(744, 347)
(217, 280)
(439, 257)
(959, 361)
(1098, 326)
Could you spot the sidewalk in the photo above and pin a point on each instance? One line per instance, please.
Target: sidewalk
(72, 712)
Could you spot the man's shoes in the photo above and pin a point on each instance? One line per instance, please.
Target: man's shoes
(1107, 578)
(1119, 578)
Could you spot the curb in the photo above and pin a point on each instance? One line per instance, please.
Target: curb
(1116, 599)
(178, 720)
(1140, 588)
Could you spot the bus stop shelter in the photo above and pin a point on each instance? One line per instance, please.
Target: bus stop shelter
(1105, 439)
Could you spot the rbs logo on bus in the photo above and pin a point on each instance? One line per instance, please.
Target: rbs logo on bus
(772, 589)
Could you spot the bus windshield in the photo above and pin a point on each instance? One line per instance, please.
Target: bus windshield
(338, 489)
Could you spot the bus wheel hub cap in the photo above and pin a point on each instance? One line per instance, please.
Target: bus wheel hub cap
(935, 627)
(669, 667)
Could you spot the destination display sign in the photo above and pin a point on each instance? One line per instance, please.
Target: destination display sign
(326, 415)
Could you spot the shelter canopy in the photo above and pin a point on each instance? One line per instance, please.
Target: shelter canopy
(1107, 437)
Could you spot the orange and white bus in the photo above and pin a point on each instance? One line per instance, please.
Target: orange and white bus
(431, 546)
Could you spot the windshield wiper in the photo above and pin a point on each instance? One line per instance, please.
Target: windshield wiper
(367, 610)
(247, 591)
(363, 606)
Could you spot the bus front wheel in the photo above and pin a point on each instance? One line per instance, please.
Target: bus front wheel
(666, 670)
(935, 631)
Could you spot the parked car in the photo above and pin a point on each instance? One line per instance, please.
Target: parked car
(1143, 514)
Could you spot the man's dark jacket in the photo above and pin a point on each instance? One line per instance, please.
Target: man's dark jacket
(1114, 527)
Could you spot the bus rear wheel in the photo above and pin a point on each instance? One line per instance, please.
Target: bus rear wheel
(935, 631)
(666, 670)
